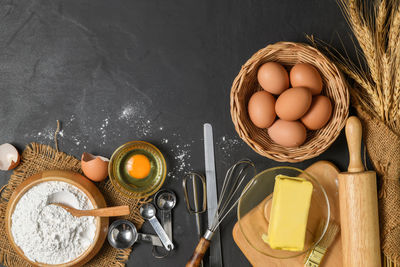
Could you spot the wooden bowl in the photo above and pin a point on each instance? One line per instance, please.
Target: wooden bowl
(245, 85)
(75, 179)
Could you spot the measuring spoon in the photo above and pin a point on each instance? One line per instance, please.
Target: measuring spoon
(123, 234)
(165, 201)
(148, 212)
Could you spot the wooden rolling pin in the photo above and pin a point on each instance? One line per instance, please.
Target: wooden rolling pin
(358, 206)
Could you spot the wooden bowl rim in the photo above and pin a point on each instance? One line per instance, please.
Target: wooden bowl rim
(77, 180)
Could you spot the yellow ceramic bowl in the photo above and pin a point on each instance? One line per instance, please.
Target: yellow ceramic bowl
(255, 205)
(128, 185)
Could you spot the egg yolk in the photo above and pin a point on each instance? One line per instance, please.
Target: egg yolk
(138, 166)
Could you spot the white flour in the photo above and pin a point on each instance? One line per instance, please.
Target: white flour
(47, 233)
(182, 156)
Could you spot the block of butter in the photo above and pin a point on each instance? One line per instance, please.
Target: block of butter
(289, 213)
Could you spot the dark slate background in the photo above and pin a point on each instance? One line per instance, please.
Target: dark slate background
(153, 70)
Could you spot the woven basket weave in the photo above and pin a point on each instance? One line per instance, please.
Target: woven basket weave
(245, 84)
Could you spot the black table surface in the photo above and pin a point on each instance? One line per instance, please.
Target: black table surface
(153, 70)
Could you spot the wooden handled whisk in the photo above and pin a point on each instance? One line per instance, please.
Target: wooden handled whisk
(228, 199)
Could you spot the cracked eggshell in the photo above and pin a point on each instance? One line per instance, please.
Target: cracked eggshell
(94, 167)
(9, 157)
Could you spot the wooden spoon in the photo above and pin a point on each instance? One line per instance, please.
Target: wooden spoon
(104, 212)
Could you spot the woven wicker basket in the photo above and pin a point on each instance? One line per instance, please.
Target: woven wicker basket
(245, 84)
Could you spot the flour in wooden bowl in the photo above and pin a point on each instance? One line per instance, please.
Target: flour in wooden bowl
(47, 233)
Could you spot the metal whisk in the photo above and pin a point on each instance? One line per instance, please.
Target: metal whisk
(229, 198)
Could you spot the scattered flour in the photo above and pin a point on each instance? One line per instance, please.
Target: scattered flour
(128, 112)
(70, 120)
(47, 134)
(76, 140)
(182, 156)
(103, 130)
(144, 128)
(135, 116)
(47, 233)
(228, 145)
(182, 153)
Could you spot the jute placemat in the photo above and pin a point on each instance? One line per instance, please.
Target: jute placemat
(37, 158)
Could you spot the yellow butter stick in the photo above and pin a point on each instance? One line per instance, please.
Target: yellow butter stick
(289, 213)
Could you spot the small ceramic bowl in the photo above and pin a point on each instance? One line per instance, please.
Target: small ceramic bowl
(126, 184)
(255, 205)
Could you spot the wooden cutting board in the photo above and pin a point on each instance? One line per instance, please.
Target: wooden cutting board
(326, 173)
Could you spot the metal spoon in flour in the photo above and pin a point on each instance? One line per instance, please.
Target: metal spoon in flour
(103, 212)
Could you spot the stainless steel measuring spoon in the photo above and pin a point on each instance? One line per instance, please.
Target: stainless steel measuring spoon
(123, 234)
(148, 212)
(165, 201)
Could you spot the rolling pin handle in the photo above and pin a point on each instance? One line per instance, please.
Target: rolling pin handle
(353, 136)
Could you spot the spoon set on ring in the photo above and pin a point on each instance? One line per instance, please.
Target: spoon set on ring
(123, 233)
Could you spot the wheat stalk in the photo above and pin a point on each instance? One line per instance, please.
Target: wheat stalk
(377, 31)
(381, 11)
(363, 83)
(386, 88)
(395, 112)
(380, 28)
(364, 32)
(394, 30)
(393, 50)
(364, 35)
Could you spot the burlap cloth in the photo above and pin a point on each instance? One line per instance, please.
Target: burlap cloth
(37, 158)
(383, 147)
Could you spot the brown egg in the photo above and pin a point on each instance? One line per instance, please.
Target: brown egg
(319, 113)
(292, 104)
(306, 75)
(261, 108)
(94, 167)
(273, 78)
(288, 133)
